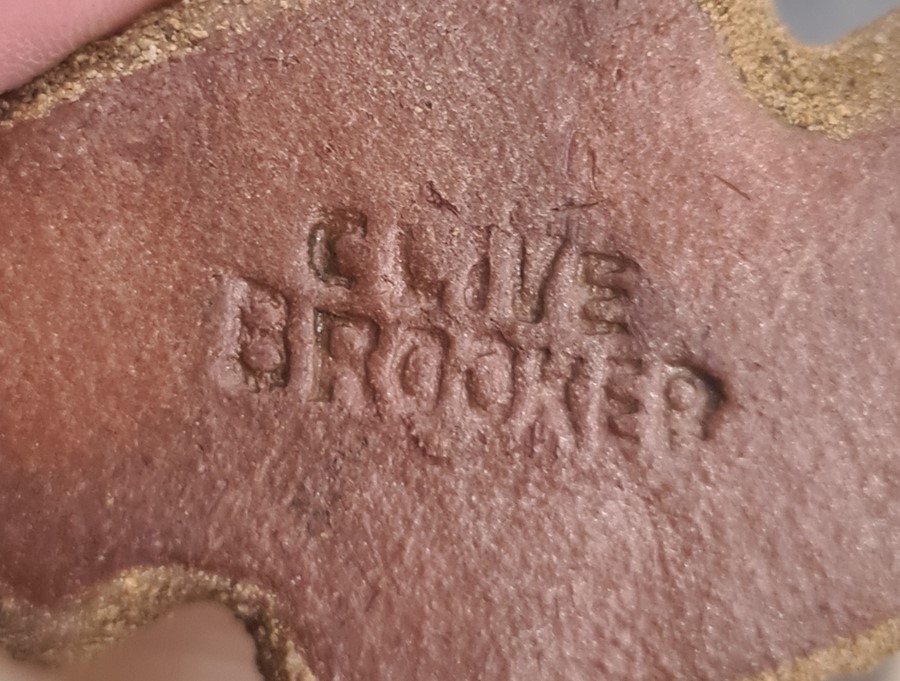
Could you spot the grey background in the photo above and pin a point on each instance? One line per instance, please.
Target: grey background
(822, 21)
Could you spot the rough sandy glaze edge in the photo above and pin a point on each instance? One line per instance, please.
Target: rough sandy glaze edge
(172, 31)
(847, 87)
(840, 89)
(845, 656)
(850, 86)
(84, 623)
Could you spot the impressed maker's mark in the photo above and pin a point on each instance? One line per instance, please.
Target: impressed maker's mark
(253, 354)
(534, 331)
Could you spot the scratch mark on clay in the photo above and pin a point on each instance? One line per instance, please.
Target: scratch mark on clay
(570, 204)
(436, 199)
(733, 187)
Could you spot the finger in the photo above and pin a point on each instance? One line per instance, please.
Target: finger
(36, 34)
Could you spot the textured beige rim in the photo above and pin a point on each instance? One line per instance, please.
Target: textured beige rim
(850, 86)
(85, 623)
(170, 32)
(843, 657)
(839, 90)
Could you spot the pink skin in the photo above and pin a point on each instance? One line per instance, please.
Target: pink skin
(36, 34)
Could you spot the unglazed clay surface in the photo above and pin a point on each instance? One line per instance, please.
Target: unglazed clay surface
(504, 340)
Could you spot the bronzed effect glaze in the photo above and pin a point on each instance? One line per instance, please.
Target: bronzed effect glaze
(502, 342)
